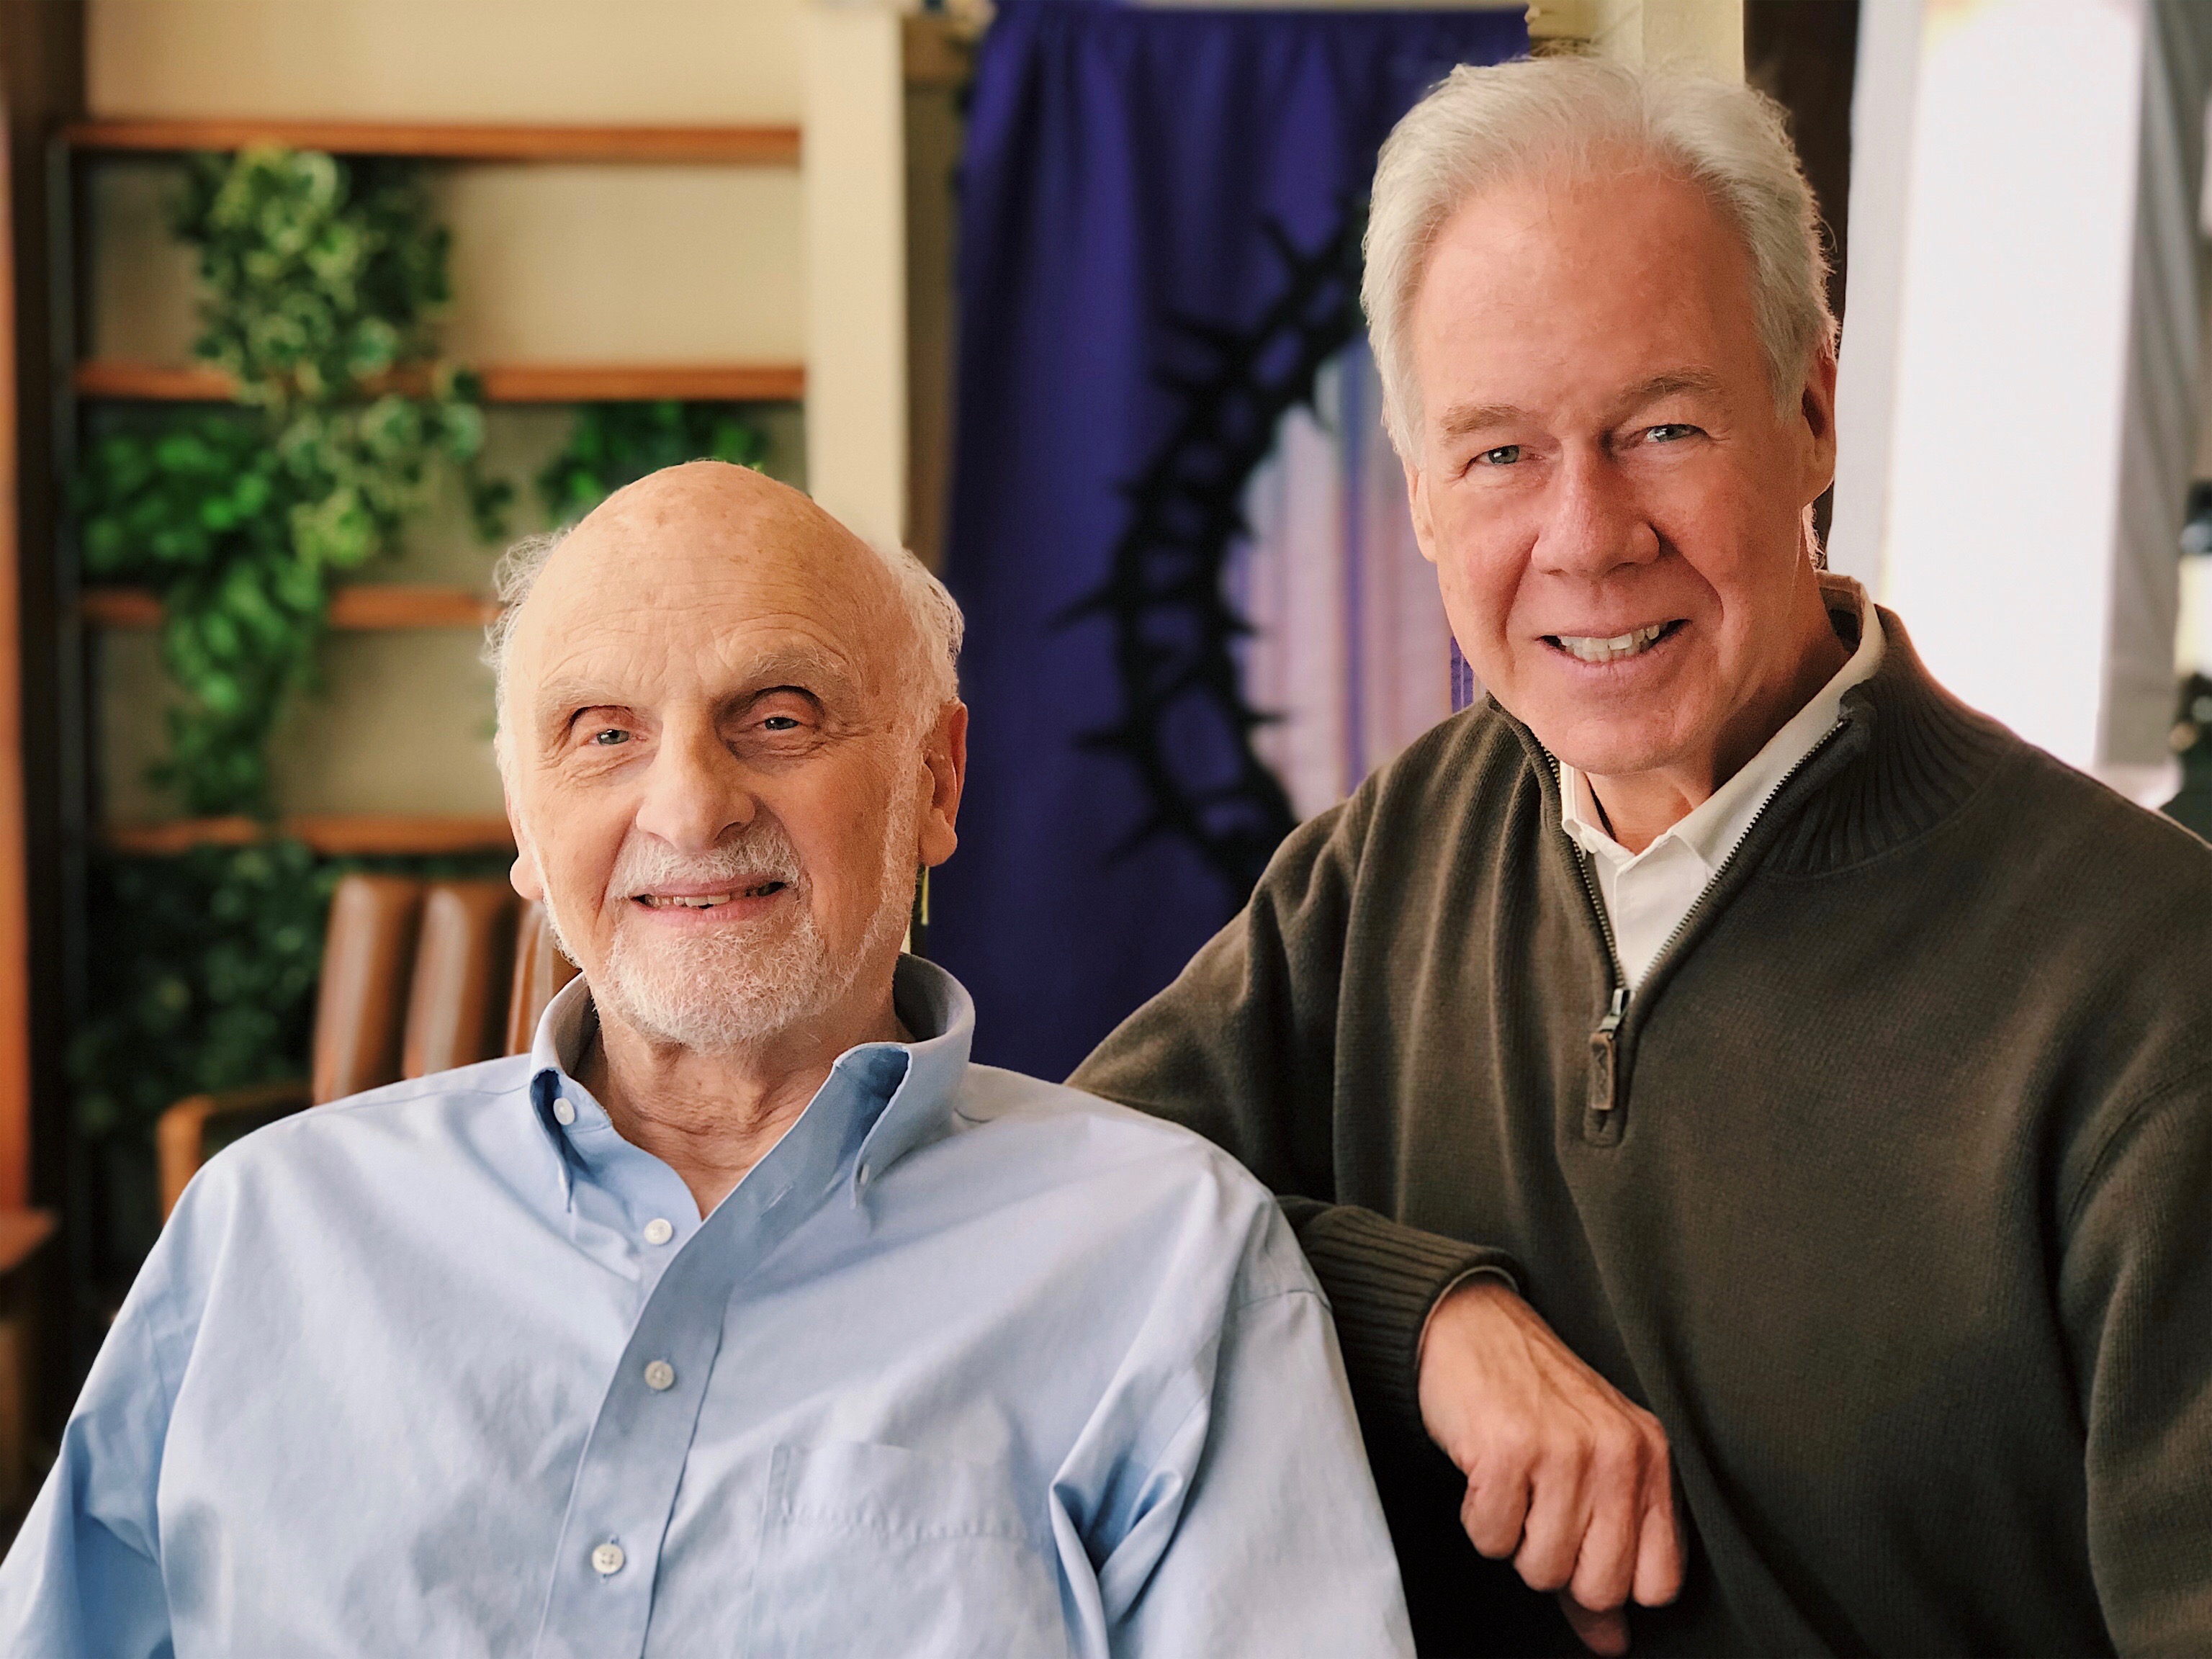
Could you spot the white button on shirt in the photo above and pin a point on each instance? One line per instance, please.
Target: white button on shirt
(607, 1559)
(659, 1230)
(1647, 895)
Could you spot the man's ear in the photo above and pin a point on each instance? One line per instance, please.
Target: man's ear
(1816, 409)
(524, 875)
(945, 752)
(1416, 497)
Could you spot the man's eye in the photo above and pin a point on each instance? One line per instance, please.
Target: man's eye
(1503, 455)
(779, 723)
(611, 735)
(1668, 433)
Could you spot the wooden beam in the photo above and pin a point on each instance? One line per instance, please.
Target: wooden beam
(764, 146)
(365, 606)
(15, 913)
(41, 85)
(615, 383)
(331, 835)
(503, 383)
(152, 382)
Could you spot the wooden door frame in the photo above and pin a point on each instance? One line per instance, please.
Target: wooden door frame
(42, 84)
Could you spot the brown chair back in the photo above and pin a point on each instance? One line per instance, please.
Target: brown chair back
(540, 971)
(414, 981)
(367, 954)
(457, 1008)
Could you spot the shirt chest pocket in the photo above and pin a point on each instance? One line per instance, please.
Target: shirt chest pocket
(877, 1551)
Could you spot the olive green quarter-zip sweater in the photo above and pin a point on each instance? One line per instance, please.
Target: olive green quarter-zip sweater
(1890, 1191)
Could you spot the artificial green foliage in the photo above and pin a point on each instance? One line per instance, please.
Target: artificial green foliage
(202, 978)
(319, 274)
(615, 444)
(323, 280)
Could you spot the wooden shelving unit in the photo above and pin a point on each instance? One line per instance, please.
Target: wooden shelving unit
(768, 146)
(332, 835)
(503, 383)
(376, 606)
(363, 607)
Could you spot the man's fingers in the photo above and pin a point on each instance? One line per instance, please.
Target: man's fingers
(1494, 1511)
(1659, 1542)
(1605, 1633)
(1553, 1537)
(1605, 1567)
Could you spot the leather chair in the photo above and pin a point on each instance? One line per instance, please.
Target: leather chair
(417, 977)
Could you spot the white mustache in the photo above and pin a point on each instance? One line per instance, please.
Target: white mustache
(765, 853)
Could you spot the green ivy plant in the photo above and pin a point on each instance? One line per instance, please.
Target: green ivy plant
(324, 280)
(615, 444)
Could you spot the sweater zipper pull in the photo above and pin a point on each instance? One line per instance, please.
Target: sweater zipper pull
(1604, 1053)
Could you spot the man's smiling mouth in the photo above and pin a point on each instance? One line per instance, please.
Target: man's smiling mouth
(705, 901)
(1584, 647)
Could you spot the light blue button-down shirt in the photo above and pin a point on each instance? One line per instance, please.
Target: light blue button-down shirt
(969, 1365)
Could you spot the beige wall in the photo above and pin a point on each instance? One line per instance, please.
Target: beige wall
(671, 62)
(549, 264)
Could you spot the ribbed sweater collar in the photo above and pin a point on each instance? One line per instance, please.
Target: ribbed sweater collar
(1908, 755)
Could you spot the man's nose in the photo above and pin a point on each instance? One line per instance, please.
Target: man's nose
(695, 792)
(1594, 522)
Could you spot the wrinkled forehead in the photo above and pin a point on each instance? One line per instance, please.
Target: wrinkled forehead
(651, 607)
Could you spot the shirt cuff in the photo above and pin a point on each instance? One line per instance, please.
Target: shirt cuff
(1382, 1279)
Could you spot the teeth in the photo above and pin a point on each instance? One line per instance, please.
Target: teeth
(1585, 649)
(706, 901)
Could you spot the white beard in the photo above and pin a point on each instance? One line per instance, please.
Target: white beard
(713, 992)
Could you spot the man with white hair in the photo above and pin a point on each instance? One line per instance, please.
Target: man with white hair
(742, 1315)
(1752, 1115)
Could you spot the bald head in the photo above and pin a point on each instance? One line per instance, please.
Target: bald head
(708, 528)
(729, 735)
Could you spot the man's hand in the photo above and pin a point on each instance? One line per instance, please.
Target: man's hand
(1564, 1472)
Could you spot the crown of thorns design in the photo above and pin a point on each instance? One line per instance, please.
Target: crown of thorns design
(1185, 723)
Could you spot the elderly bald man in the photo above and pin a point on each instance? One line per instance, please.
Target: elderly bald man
(742, 1315)
(1722, 1059)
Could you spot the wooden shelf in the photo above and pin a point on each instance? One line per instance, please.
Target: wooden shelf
(331, 835)
(367, 606)
(620, 383)
(503, 383)
(771, 146)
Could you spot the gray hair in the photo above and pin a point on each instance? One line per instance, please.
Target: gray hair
(930, 675)
(1481, 126)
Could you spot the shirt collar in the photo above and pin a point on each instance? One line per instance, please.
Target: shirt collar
(1711, 831)
(892, 1097)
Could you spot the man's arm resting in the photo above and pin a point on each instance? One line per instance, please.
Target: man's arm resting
(1565, 1474)
(1383, 1278)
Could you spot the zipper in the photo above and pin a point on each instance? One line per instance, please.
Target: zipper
(1604, 1054)
(1605, 1040)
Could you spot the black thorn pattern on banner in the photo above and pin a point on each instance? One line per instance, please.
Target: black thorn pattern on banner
(1173, 626)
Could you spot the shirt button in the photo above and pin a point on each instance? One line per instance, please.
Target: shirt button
(564, 1115)
(607, 1560)
(657, 1232)
(659, 1376)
